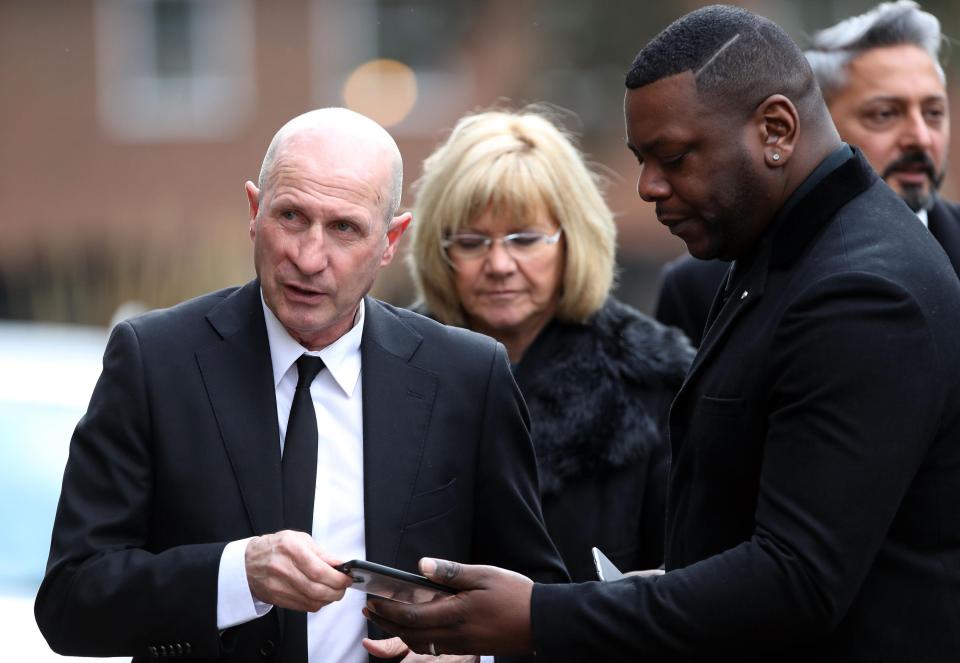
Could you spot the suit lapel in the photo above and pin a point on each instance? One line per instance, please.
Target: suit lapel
(398, 399)
(238, 376)
(747, 294)
(717, 303)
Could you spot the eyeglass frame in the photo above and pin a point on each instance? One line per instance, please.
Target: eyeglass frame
(548, 240)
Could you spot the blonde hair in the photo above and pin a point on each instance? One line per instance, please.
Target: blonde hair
(514, 163)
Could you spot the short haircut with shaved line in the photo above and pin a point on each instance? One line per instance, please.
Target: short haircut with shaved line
(737, 58)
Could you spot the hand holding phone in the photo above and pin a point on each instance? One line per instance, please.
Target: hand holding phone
(393, 584)
(267, 560)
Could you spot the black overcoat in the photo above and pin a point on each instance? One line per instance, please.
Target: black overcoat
(813, 511)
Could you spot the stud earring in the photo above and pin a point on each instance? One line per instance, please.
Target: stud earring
(776, 156)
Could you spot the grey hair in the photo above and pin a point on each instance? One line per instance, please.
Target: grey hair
(887, 24)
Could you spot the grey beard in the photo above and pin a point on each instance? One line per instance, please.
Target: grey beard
(917, 200)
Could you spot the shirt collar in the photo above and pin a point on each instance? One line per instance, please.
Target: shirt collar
(924, 219)
(341, 358)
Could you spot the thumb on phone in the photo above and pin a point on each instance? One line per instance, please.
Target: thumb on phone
(451, 574)
(464, 576)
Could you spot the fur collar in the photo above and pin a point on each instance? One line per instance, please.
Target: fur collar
(599, 392)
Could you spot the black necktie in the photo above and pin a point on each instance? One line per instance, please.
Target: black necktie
(299, 477)
(300, 450)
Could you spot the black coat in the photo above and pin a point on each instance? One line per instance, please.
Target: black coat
(687, 288)
(813, 512)
(179, 454)
(944, 222)
(688, 285)
(599, 394)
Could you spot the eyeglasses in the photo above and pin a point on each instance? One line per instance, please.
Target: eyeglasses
(521, 245)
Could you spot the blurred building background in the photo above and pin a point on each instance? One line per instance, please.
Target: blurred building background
(128, 127)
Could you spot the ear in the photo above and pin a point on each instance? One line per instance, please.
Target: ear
(395, 228)
(777, 123)
(253, 200)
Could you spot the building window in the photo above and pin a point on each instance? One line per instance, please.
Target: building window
(171, 70)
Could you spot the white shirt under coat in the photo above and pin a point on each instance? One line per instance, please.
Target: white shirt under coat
(334, 632)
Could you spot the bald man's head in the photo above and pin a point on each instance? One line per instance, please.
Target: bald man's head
(336, 133)
(322, 220)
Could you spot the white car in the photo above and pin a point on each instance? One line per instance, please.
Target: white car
(48, 373)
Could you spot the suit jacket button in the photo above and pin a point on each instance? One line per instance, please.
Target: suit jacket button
(268, 647)
(153, 651)
(178, 648)
(187, 648)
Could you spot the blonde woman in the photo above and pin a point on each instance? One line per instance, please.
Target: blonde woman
(513, 239)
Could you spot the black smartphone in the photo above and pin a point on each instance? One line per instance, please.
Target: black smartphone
(606, 570)
(393, 584)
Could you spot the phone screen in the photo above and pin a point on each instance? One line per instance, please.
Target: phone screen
(393, 584)
(606, 570)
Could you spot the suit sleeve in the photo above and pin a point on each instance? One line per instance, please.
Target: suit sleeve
(509, 528)
(854, 401)
(667, 308)
(106, 593)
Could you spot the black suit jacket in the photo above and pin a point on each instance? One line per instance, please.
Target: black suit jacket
(688, 285)
(813, 512)
(944, 222)
(178, 454)
(687, 289)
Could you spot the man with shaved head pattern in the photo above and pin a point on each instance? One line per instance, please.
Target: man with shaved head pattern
(882, 80)
(812, 512)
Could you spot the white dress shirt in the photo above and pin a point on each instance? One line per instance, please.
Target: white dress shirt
(335, 631)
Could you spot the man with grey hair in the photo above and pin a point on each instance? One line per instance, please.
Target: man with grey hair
(240, 445)
(886, 91)
(883, 83)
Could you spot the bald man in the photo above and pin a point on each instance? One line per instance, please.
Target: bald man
(240, 445)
